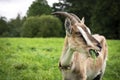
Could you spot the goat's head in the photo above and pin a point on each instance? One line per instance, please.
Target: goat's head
(78, 33)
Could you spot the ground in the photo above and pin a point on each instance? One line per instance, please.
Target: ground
(37, 59)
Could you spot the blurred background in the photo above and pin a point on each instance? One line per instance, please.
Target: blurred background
(32, 18)
(31, 39)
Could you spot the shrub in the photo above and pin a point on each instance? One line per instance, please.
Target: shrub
(43, 26)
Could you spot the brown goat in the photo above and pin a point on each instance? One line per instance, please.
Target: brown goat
(76, 61)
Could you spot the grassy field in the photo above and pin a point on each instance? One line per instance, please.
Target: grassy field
(37, 59)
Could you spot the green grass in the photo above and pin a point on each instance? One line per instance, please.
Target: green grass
(113, 64)
(37, 59)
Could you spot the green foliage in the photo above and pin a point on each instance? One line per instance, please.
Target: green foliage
(105, 19)
(43, 26)
(3, 27)
(38, 8)
(32, 59)
(30, 27)
(15, 26)
(50, 26)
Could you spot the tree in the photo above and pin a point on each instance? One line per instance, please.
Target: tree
(15, 26)
(105, 18)
(43, 26)
(38, 8)
(3, 27)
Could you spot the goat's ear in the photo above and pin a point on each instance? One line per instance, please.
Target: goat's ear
(68, 25)
(83, 20)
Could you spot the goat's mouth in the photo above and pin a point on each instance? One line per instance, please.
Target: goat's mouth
(93, 53)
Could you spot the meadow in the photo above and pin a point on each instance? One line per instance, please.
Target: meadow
(37, 59)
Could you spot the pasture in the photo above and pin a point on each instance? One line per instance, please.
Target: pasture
(37, 59)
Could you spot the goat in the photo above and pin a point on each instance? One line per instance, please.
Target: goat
(76, 62)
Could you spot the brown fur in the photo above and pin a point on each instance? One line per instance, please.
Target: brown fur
(76, 54)
(82, 65)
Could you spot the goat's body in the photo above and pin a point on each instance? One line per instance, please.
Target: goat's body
(77, 62)
(86, 68)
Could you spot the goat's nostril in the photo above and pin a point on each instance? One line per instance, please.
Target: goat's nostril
(97, 54)
(99, 46)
